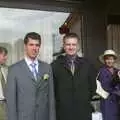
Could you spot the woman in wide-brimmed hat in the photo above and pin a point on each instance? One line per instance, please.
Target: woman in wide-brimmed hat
(108, 76)
(108, 53)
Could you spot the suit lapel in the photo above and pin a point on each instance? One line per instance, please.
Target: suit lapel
(28, 71)
(40, 74)
(40, 71)
(4, 71)
(64, 62)
(39, 82)
(78, 64)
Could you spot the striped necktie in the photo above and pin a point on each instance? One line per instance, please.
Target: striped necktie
(72, 67)
(34, 71)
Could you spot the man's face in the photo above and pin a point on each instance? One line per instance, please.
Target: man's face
(71, 46)
(32, 48)
(3, 58)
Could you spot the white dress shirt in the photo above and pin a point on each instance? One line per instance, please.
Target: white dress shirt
(29, 62)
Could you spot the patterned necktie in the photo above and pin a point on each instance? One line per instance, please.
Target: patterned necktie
(34, 71)
(72, 67)
(2, 81)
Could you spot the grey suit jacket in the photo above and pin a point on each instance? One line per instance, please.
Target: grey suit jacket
(28, 99)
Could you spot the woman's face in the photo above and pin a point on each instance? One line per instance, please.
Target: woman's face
(109, 60)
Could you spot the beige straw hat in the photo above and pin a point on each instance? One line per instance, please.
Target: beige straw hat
(107, 53)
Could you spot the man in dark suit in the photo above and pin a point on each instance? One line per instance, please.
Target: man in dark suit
(74, 80)
(30, 94)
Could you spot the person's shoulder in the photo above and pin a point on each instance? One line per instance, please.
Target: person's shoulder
(60, 59)
(43, 63)
(102, 69)
(87, 63)
(16, 65)
(85, 60)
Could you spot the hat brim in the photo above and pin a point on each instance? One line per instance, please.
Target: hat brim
(101, 57)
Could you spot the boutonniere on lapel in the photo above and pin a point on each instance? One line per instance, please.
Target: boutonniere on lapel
(45, 77)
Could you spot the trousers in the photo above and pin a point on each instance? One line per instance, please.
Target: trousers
(3, 115)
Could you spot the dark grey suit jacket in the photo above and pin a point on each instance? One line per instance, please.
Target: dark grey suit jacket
(28, 99)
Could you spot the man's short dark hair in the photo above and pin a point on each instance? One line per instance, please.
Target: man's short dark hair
(71, 35)
(3, 50)
(32, 35)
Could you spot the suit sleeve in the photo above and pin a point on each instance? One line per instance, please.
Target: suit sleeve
(11, 95)
(92, 80)
(52, 111)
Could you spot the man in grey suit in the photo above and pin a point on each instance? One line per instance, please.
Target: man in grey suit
(29, 91)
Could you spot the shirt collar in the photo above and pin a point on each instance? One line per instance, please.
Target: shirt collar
(70, 58)
(29, 61)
